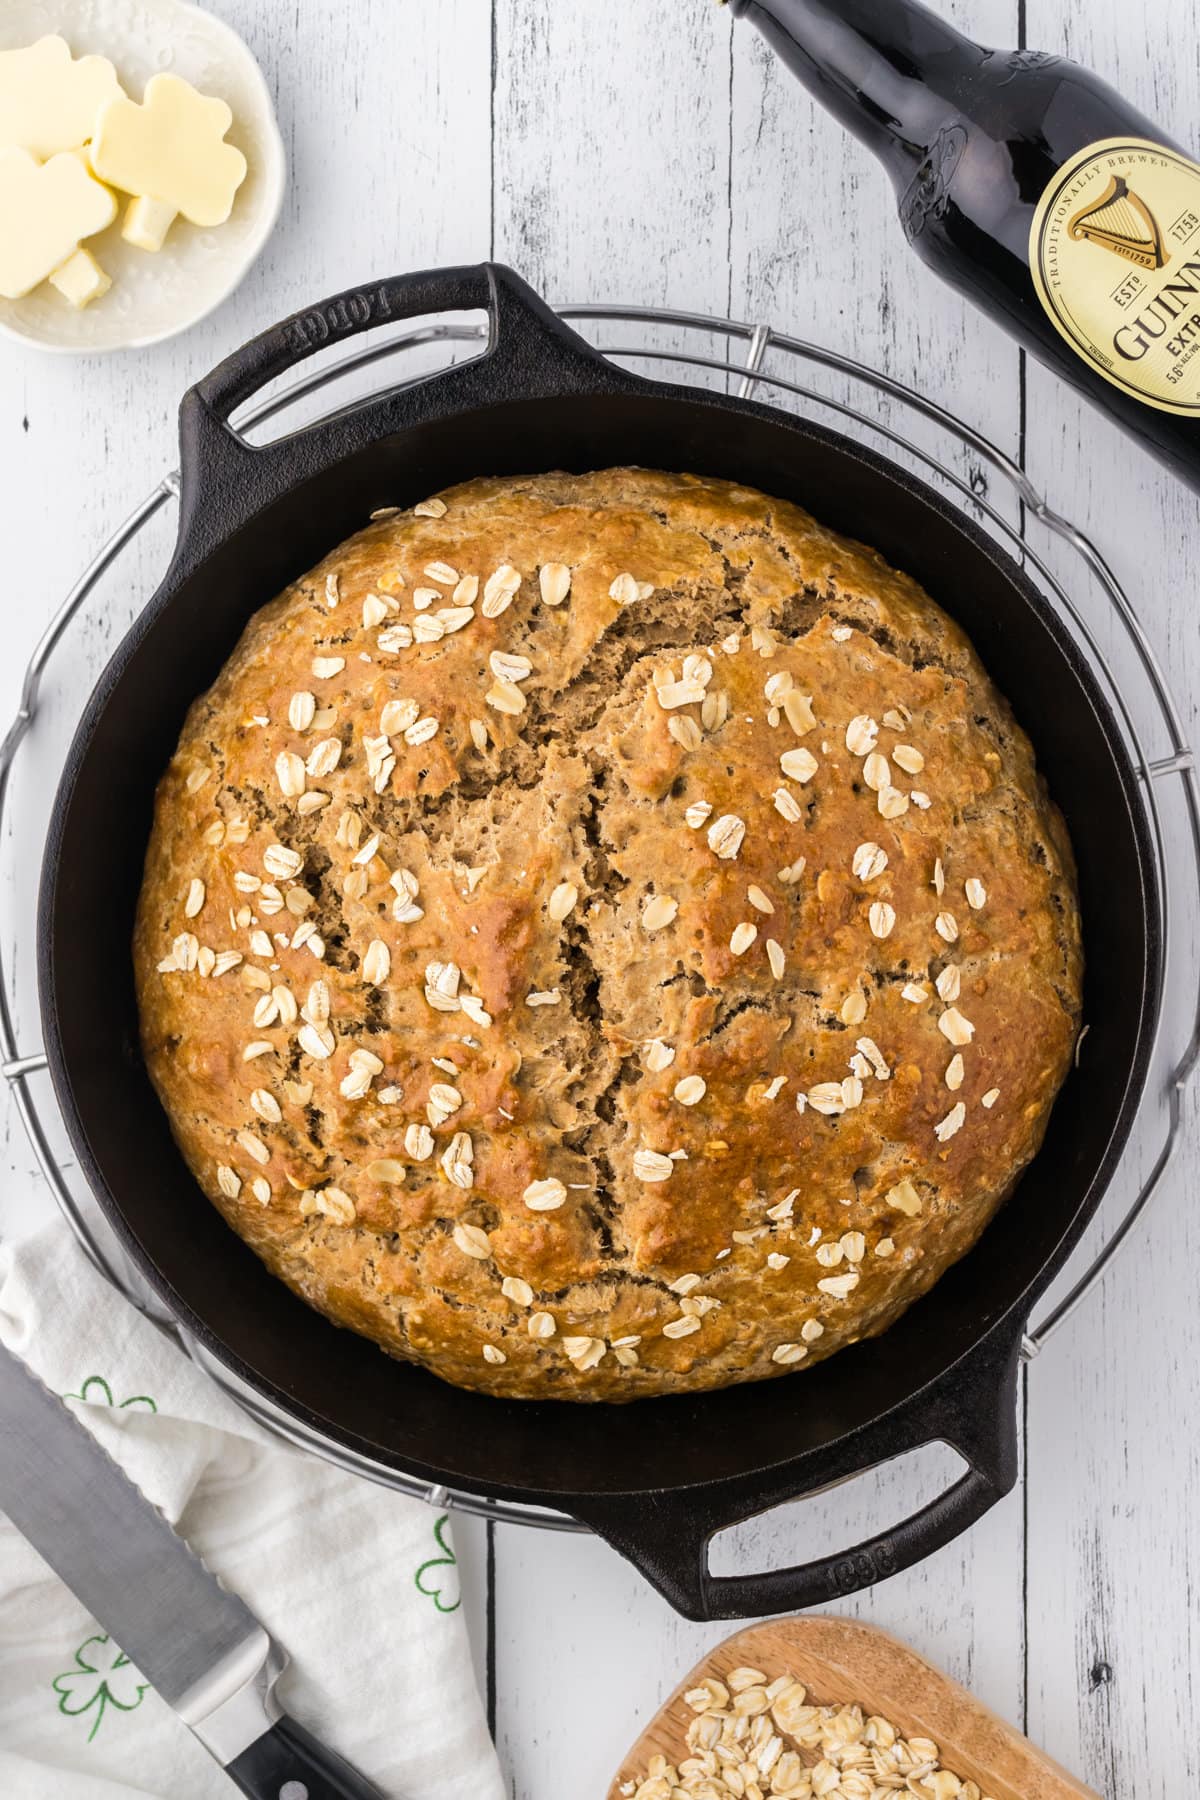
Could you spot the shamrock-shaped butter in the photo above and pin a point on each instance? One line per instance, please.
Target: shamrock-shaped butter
(80, 279)
(45, 209)
(168, 152)
(49, 102)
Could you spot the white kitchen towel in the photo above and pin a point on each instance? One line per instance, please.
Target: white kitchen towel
(359, 1585)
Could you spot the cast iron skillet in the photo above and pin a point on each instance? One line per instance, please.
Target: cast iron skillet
(659, 1477)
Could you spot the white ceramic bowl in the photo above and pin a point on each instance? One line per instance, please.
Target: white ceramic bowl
(155, 295)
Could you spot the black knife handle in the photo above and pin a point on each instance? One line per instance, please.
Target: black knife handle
(286, 1763)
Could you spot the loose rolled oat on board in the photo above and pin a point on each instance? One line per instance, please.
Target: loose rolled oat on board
(754, 1737)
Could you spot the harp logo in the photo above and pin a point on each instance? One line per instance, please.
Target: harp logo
(1133, 314)
(1121, 221)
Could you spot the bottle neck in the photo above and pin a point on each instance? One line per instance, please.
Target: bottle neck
(890, 70)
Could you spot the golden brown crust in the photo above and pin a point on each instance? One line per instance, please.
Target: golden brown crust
(823, 1148)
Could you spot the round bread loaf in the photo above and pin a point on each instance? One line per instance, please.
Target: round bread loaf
(605, 935)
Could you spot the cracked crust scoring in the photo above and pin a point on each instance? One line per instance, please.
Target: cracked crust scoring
(587, 786)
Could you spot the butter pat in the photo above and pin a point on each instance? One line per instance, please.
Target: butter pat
(48, 101)
(147, 223)
(169, 149)
(45, 209)
(80, 279)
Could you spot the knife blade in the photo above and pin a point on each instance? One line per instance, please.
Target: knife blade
(198, 1645)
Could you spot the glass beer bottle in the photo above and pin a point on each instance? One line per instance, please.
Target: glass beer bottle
(1034, 188)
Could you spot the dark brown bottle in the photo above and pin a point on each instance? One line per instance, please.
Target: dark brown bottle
(1031, 186)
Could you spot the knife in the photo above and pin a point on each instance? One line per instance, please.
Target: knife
(200, 1647)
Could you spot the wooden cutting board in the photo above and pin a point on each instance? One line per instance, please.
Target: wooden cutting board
(842, 1662)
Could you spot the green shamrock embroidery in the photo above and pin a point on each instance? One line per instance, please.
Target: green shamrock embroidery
(96, 1392)
(437, 1587)
(103, 1676)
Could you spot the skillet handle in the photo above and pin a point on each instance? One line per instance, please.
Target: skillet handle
(530, 354)
(667, 1537)
(523, 329)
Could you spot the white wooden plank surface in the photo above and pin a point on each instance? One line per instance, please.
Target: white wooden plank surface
(653, 153)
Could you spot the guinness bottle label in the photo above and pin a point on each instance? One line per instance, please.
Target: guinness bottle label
(1114, 250)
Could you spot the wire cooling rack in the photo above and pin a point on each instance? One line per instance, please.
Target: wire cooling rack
(921, 436)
